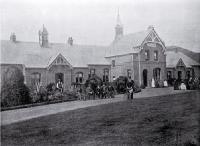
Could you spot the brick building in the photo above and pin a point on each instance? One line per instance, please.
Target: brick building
(44, 62)
(140, 56)
(182, 63)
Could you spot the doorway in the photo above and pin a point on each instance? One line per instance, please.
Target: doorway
(145, 77)
(59, 76)
(179, 75)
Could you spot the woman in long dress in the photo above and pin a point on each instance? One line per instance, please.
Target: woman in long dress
(153, 83)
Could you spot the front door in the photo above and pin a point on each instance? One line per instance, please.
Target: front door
(59, 76)
(145, 77)
(179, 75)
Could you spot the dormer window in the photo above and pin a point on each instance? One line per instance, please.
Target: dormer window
(147, 57)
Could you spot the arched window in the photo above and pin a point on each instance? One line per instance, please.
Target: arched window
(156, 55)
(156, 73)
(147, 55)
(79, 77)
(105, 75)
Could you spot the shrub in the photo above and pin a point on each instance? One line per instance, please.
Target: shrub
(142, 86)
(13, 90)
(121, 84)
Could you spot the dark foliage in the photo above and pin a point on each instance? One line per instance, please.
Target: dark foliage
(121, 83)
(94, 81)
(13, 90)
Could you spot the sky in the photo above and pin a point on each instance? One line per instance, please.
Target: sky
(92, 22)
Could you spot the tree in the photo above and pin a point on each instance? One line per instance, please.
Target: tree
(13, 90)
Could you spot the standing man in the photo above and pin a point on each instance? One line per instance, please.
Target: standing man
(59, 86)
(130, 88)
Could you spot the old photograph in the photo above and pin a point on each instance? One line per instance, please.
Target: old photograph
(100, 72)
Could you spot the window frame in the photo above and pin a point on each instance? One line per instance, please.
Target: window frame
(147, 55)
(113, 63)
(129, 72)
(79, 77)
(105, 75)
(155, 55)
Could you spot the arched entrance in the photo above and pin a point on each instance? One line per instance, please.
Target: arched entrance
(59, 76)
(145, 77)
(179, 75)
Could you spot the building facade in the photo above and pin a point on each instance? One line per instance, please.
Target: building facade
(141, 56)
(43, 63)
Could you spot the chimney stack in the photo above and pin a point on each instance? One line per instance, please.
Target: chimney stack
(13, 37)
(150, 27)
(70, 41)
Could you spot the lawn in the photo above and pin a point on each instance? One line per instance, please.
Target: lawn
(166, 120)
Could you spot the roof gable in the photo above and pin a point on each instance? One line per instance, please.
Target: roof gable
(59, 60)
(153, 37)
(173, 59)
(180, 63)
(131, 42)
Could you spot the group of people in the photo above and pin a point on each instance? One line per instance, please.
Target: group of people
(156, 83)
(187, 84)
(98, 92)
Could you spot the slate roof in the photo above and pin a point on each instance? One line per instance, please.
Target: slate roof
(127, 44)
(172, 58)
(32, 55)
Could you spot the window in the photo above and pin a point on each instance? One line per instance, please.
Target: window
(59, 77)
(79, 77)
(188, 74)
(155, 55)
(169, 75)
(179, 75)
(92, 71)
(113, 63)
(147, 55)
(105, 75)
(129, 73)
(156, 74)
(35, 79)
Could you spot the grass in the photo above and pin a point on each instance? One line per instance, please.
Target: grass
(166, 121)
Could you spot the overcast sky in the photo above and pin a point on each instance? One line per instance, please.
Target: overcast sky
(93, 21)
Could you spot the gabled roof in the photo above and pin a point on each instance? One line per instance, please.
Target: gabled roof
(194, 55)
(53, 61)
(32, 55)
(126, 43)
(130, 43)
(173, 58)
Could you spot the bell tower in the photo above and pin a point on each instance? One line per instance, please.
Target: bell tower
(118, 28)
(43, 37)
